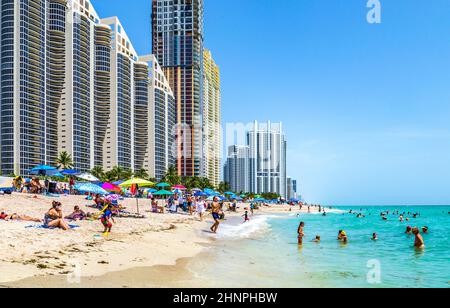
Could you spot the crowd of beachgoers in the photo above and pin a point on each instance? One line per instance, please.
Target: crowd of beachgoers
(403, 217)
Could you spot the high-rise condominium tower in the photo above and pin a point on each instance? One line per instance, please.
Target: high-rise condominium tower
(237, 168)
(161, 152)
(212, 131)
(71, 81)
(178, 46)
(51, 50)
(268, 144)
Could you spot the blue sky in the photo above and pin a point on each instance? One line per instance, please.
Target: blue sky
(366, 107)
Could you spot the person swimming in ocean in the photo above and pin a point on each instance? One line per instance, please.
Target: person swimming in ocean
(317, 239)
(425, 230)
(419, 243)
(342, 236)
(374, 237)
(408, 230)
(301, 234)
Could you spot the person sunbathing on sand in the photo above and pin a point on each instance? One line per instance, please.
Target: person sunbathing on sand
(77, 214)
(6, 217)
(54, 217)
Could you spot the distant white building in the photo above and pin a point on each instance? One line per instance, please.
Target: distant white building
(267, 143)
(237, 168)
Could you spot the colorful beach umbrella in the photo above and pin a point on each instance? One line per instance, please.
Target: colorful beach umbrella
(163, 193)
(90, 188)
(88, 177)
(113, 198)
(229, 193)
(163, 185)
(180, 187)
(111, 187)
(137, 181)
(151, 190)
(118, 182)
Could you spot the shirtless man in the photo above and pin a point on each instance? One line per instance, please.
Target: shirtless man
(418, 242)
(301, 234)
(215, 209)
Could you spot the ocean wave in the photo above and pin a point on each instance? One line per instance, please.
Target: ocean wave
(257, 225)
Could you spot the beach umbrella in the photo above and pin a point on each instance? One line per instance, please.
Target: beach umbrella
(111, 187)
(43, 170)
(229, 193)
(118, 182)
(243, 196)
(58, 175)
(163, 185)
(140, 183)
(88, 177)
(195, 189)
(113, 197)
(137, 181)
(179, 187)
(71, 172)
(163, 193)
(90, 188)
(151, 190)
(177, 191)
(200, 194)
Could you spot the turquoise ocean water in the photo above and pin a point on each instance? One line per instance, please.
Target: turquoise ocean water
(264, 252)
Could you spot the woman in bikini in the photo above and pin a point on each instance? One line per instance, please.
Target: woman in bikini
(54, 217)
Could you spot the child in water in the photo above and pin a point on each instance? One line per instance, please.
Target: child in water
(106, 220)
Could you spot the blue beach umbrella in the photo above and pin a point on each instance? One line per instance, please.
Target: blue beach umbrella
(118, 183)
(70, 172)
(90, 188)
(58, 175)
(43, 170)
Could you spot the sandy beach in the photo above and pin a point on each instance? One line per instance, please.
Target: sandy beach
(137, 250)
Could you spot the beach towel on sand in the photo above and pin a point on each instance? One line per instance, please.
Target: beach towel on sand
(45, 227)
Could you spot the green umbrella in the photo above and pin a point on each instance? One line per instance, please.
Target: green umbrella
(163, 193)
(258, 197)
(162, 185)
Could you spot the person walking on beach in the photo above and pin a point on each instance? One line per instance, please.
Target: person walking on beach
(246, 219)
(215, 210)
(301, 234)
(419, 243)
(201, 208)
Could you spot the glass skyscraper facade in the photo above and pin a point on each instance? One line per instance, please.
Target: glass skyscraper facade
(178, 46)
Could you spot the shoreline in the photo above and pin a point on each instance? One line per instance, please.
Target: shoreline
(156, 245)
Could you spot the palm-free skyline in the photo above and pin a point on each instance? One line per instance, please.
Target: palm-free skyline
(365, 107)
